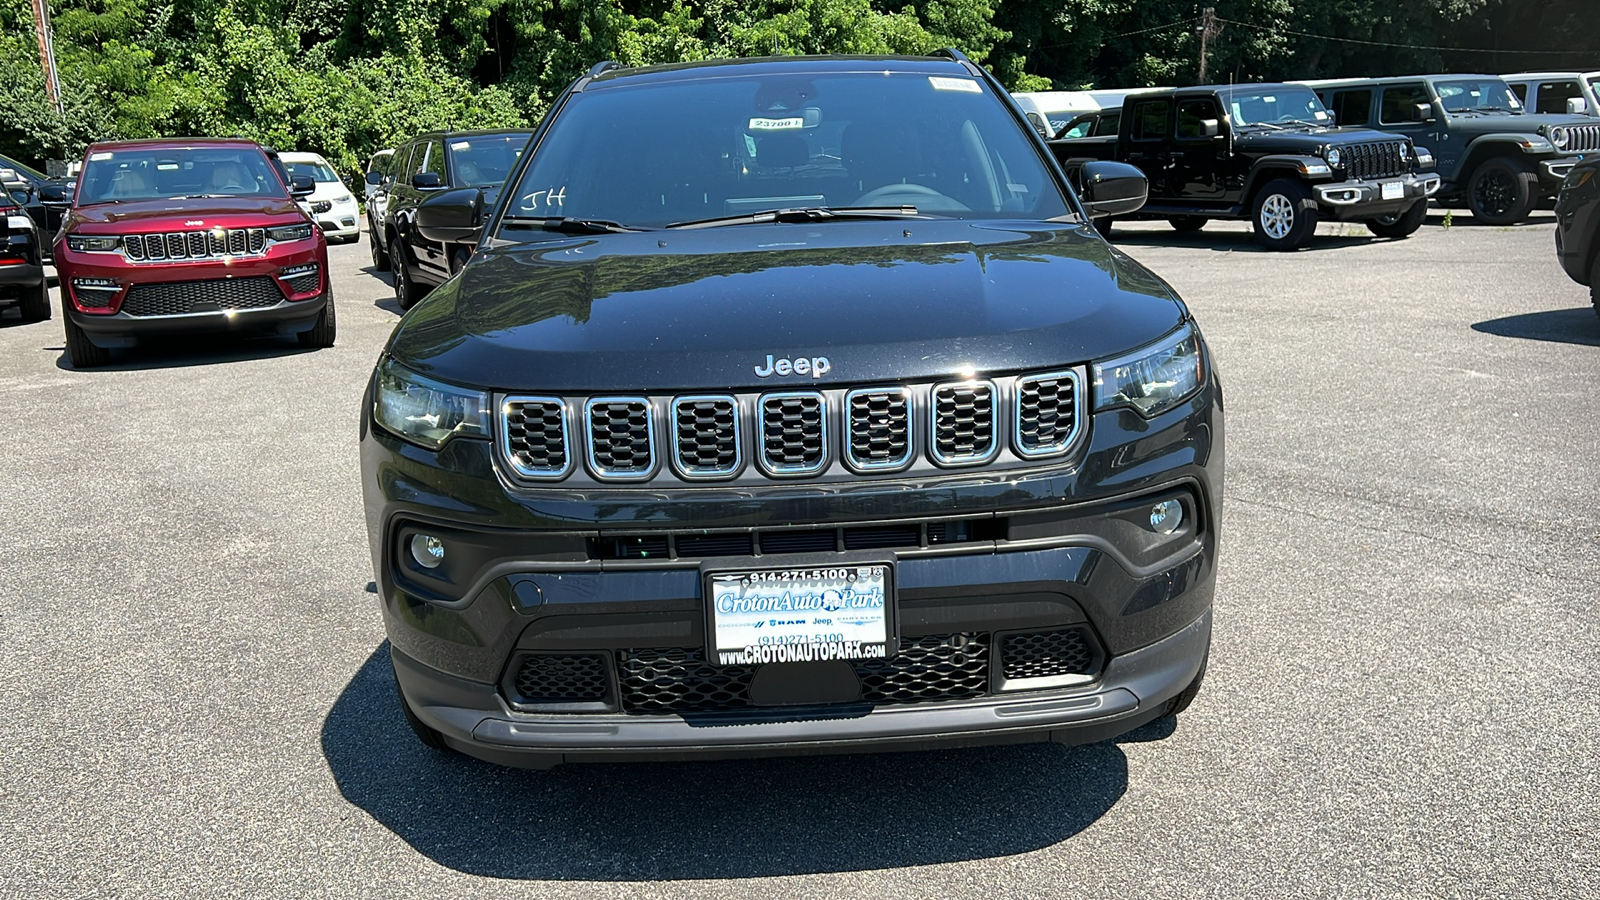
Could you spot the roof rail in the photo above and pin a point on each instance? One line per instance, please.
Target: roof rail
(958, 56)
(595, 70)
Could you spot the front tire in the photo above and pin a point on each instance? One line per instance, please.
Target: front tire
(1284, 217)
(323, 333)
(1185, 697)
(406, 292)
(1187, 224)
(380, 255)
(1502, 191)
(35, 305)
(82, 352)
(1400, 225)
(1594, 282)
(428, 736)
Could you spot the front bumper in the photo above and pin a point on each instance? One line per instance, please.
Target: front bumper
(21, 274)
(1552, 172)
(340, 222)
(123, 330)
(1053, 549)
(1364, 198)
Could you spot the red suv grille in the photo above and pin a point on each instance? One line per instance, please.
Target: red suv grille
(179, 245)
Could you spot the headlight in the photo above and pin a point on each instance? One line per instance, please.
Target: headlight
(1560, 137)
(1154, 379)
(345, 199)
(424, 411)
(84, 243)
(290, 232)
(1332, 156)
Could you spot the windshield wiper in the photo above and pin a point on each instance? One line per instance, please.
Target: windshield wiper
(569, 225)
(804, 214)
(205, 197)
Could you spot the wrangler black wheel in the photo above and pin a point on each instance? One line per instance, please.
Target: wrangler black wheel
(1502, 191)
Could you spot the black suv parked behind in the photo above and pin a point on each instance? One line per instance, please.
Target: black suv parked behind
(53, 195)
(1578, 226)
(819, 420)
(1266, 152)
(424, 166)
(1494, 157)
(22, 255)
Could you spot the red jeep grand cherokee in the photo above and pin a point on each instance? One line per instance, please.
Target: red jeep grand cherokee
(188, 235)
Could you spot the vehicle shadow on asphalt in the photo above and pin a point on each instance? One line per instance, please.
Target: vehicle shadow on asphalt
(387, 302)
(1562, 326)
(202, 350)
(1235, 241)
(729, 819)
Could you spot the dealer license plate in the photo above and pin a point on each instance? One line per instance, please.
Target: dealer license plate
(1393, 190)
(800, 615)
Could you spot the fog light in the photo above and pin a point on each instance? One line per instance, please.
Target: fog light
(427, 550)
(1165, 517)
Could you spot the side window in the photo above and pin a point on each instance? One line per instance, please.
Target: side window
(1352, 107)
(1078, 129)
(1553, 96)
(1521, 90)
(1150, 120)
(1192, 116)
(433, 160)
(1108, 123)
(1400, 103)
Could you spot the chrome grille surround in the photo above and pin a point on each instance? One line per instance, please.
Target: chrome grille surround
(1038, 412)
(964, 443)
(777, 415)
(208, 243)
(545, 454)
(699, 452)
(620, 437)
(878, 432)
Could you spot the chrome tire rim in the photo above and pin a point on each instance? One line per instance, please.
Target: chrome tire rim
(1277, 216)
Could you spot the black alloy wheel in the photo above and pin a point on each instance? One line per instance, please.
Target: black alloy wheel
(1594, 282)
(405, 290)
(1399, 225)
(1502, 191)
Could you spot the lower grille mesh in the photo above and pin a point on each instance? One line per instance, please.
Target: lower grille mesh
(174, 298)
(1046, 654)
(927, 669)
(562, 679)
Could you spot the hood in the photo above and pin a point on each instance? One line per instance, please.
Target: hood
(705, 309)
(1310, 139)
(178, 215)
(1514, 123)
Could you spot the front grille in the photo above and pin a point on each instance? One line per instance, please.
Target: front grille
(706, 436)
(1046, 654)
(1376, 159)
(963, 422)
(181, 245)
(534, 436)
(879, 428)
(793, 433)
(814, 541)
(621, 443)
(925, 670)
(562, 679)
(709, 437)
(175, 298)
(1047, 413)
(1583, 139)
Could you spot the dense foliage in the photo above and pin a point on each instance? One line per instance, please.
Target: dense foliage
(346, 77)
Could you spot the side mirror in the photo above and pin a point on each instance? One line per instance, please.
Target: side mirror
(1424, 113)
(9, 176)
(374, 178)
(1210, 127)
(1112, 188)
(1039, 125)
(302, 185)
(452, 217)
(427, 181)
(1577, 106)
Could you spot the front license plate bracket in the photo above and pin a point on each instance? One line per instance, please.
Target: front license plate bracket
(797, 614)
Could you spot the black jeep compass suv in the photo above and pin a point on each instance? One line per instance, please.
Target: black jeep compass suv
(791, 406)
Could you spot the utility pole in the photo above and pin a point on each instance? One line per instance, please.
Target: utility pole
(1209, 29)
(47, 53)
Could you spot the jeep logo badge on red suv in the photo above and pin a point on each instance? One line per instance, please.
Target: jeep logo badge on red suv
(194, 223)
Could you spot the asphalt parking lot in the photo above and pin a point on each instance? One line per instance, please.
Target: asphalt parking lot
(1400, 700)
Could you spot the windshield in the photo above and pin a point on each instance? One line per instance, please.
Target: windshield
(156, 173)
(483, 160)
(1277, 106)
(1478, 94)
(653, 155)
(320, 172)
